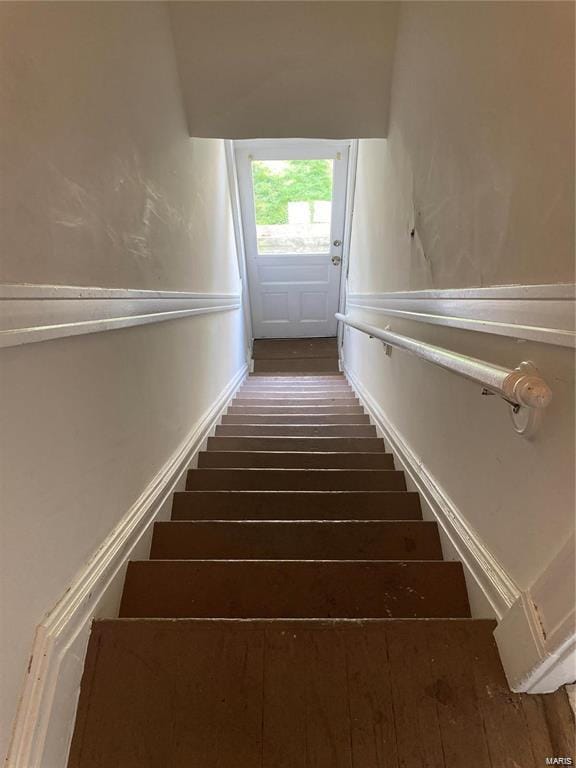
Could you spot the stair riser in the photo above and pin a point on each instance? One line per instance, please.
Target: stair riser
(300, 384)
(302, 378)
(294, 541)
(286, 460)
(294, 590)
(294, 395)
(302, 419)
(263, 505)
(285, 430)
(272, 386)
(276, 392)
(270, 349)
(346, 444)
(294, 480)
(296, 410)
(298, 402)
(304, 365)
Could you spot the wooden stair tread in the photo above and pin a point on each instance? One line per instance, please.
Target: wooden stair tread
(239, 694)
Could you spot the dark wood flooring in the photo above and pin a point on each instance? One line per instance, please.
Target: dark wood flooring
(301, 694)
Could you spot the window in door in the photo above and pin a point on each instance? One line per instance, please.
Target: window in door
(293, 205)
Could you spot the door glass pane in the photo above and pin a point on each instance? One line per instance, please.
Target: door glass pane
(293, 202)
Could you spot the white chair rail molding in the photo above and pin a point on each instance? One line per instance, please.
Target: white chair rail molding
(530, 312)
(32, 313)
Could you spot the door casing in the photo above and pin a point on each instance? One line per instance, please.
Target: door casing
(242, 152)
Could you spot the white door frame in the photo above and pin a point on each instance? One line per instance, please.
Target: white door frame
(295, 147)
(347, 240)
(239, 240)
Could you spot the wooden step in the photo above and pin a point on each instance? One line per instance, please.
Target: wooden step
(345, 444)
(301, 382)
(295, 460)
(337, 386)
(295, 392)
(313, 397)
(294, 589)
(296, 410)
(302, 364)
(295, 430)
(291, 348)
(281, 401)
(363, 540)
(337, 418)
(302, 377)
(300, 385)
(296, 505)
(291, 694)
(295, 479)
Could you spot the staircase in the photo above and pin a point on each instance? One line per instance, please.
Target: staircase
(297, 612)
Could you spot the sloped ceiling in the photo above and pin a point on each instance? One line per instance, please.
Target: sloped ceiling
(285, 69)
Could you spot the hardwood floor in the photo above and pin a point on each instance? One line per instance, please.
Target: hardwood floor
(369, 694)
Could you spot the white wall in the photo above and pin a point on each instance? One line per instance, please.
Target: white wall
(480, 151)
(101, 185)
(479, 162)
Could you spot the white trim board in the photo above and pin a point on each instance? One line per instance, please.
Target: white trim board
(45, 718)
(537, 637)
(239, 237)
(33, 313)
(348, 221)
(544, 313)
(536, 633)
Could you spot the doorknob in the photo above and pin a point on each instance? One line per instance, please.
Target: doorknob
(337, 243)
(336, 260)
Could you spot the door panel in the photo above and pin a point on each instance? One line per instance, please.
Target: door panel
(275, 307)
(292, 196)
(313, 308)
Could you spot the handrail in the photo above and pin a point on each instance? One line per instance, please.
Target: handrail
(521, 387)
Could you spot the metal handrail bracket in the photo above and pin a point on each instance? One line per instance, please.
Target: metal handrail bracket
(523, 388)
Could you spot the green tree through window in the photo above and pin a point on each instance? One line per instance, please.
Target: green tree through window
(296, 181)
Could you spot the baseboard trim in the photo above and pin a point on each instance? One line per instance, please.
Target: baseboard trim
(60, 642)
(537, 637)
(498, 588)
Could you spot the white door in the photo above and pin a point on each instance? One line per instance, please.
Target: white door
(293, 198)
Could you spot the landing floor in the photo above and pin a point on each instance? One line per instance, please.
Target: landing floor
(308, 694)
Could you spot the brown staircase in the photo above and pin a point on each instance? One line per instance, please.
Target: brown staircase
(297, 612)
